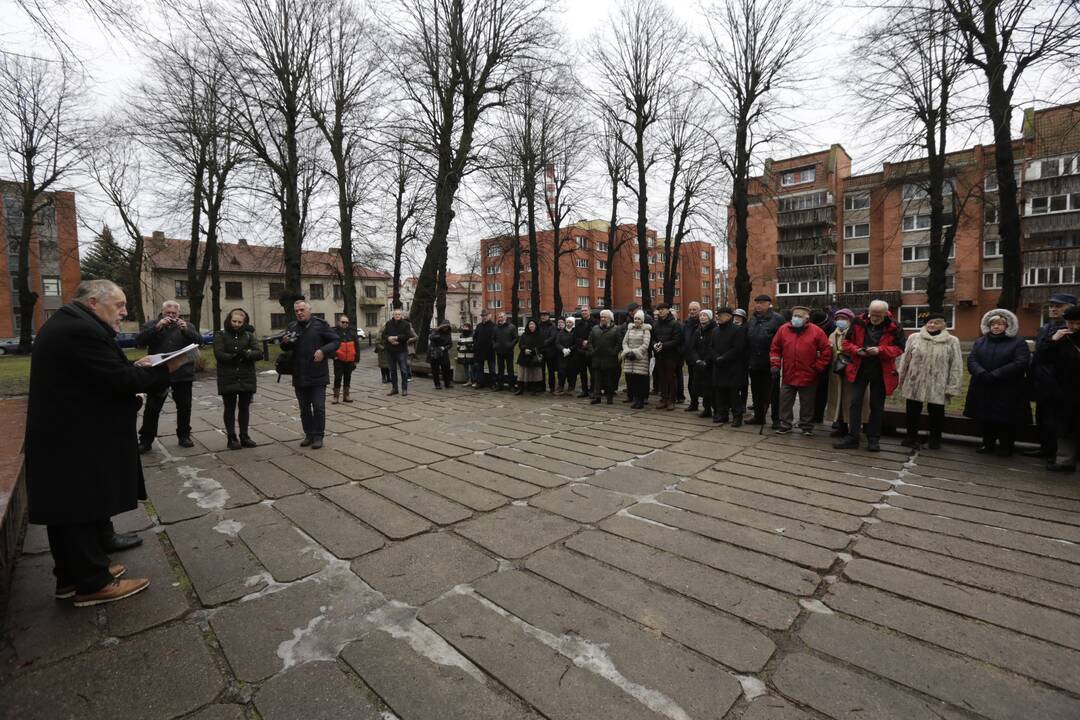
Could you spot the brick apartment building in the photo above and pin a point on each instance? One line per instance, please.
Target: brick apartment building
(583, 271)
(253, 277)
(821, 236)
(54, 256)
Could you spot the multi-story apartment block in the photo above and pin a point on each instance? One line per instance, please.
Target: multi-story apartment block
(820, 236)
(583, 270)
(54, 256)
(253, 278)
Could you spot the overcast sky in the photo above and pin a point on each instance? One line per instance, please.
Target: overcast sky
(825, 116)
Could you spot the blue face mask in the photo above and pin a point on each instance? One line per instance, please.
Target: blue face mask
(797, 321)
(842, 325)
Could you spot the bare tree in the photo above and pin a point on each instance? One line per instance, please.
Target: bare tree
(409, 195)
(458, 61)
(639, 59)
(1006, 39)
(342, 105)
(617, 162)
(505, 182)
(44, 140)
(754, 51)
(910, 70)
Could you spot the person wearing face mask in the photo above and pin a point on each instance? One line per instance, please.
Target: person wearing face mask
(931, 373)
(799, 353)
(635, 359)
(997, 395)
(836, 409)
(873, 343)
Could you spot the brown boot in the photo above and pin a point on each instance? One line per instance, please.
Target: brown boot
(337, 394)
(345, 395)
(63, 592)
(116, 590)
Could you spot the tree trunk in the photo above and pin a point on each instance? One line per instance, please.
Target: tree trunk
(611, 247)
(556, 270)
(27, 297)
(534, 253)
(195, 288)
(135, 301)
(642, 217)
(740, 203)
(440, 296)
(671, 259)
(426, 290)
(999, 105)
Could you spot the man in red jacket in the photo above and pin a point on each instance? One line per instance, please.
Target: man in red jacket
(801, 351)
(873, 343)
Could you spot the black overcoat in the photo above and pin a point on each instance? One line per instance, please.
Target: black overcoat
(236, 352)
(730, 355)
(315, 335)
(82, 449)
(997, 391)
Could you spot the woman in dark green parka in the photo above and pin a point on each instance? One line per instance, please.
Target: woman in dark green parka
(236, 350)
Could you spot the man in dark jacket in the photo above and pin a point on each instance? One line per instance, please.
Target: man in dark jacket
(548, 352)
(398, 332)
(690, 328)
(506, 337)
(667, 338)
(1045, 385)
(82, 460)
(604, 345)
(764, 389)
(169, 333)
(1061, 356)
(484, 350)
(312, 343)
(582, 327)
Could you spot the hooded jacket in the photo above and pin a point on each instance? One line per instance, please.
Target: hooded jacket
(891, 346)
(802, 354)
(998, 364)
(236, 352)
(635, 349)
(534, 343)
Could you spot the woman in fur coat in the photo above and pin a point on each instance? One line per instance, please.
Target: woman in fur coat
(931, 372)
(635, 359)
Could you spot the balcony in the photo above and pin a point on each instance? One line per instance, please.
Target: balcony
(824, 215)
(1036, 295)
(811, 301)
(807, 246)
(859, 301)
(1056, 222)
(1049, 257)
(806, 272)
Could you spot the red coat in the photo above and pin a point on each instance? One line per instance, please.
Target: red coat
(891, 344)
(802, 354)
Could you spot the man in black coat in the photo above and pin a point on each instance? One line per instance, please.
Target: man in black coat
(1061, 357)
(312, 343)
(169, 333)
(727, 350)
(582, 327)
(506, 337)
(1045, 387)
(667, 339)
(690, 328)
(484, 350)
(548, 352)
(760, 329)
(82, 457)
(398, 332)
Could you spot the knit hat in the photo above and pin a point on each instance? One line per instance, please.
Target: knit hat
(843, 312)
(1073, 313)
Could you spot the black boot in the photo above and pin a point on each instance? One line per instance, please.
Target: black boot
(246, 441)
(234, 442)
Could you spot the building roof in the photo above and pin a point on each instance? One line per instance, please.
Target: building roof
(240, 258)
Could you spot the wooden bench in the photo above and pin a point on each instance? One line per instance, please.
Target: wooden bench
(12, 484)
(895, 420)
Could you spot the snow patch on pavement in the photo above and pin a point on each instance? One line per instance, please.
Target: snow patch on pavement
(230, 527)
(816, 606)
(752, 687)
(399, 621)
(207, 493)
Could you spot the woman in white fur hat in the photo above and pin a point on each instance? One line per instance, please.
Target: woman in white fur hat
(997, 395)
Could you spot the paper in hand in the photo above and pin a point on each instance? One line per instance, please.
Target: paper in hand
(160, 358)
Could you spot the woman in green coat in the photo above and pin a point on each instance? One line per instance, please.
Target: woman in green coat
(236, 350)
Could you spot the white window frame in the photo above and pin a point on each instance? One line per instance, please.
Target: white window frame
(583, 282)
(582, 242)
(856, 200)
(494, 251)
(601, 264)
(601, 246)
(496, 304)
(851, 259)
(601, 283)
(801, 176)
(582, 300)
(995, 244)
(637, 292)
(908, 283)
(1050, 275)
(802, 287)
(582, 263)
(494, 270)
(997, 280)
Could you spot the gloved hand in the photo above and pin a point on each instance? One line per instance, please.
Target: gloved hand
(565, 351)
(700, 363)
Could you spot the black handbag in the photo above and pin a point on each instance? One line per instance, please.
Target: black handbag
(840, 363)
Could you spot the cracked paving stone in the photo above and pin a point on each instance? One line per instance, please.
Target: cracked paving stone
(581, 502)
(514, 532)
(338, 531)
(423, 568)
(218, 565)
(314, 691)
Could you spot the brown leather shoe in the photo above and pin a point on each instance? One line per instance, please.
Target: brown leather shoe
(116, 590)
(63, 592)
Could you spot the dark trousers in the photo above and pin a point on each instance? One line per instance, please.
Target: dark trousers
(667, 366)
(313, 409)
(440, 371)
(913, 409)
(504, 363)
(728, 400)
(821, 399)
(181, 394)
(692, 382)
(399, 363)
(762, 386)
(1046, 427)
(869, 376)
(680, 389)
(998, 434)
(483, 377)
(605, 382)
(231, 401)
(567, 372)
(78, 556)
(583, 372)
(637, 387)
(551, 371)
(343, 373)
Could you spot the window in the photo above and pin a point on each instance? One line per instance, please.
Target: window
(1057, 275)
(991, 183)
(856, 259)
(857, 201)
(582, 300)
(918, 283)
(915, 192)
(915, 253)
(798, 177)
(913, 317)
(1054, 204)
(370, 291)
(704, 254)
(706, 284)
(637, 292)
(601, 283)
(371, 318)
(1050, 168)
(991, 248)
(916, 222)
(860, 230)
(494, 250)
(277, 321)
(583, 282)
(705, 300)
(599, 302)
(677, 292)
(804, 287)
(50, 286)
(652, 277)
(637, 275)
(990, 215)
(582, 242)
(993, 280)
(276, 290)
(601, 246)
(805, 201)
(601, 264)
(496, 304)
(316, 291)
(494, 287)
(581, 263)
(494, 270)
(181, 288)
(853, 286)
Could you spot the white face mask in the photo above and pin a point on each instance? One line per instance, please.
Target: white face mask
(842, 324)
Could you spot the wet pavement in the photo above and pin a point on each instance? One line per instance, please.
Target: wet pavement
(470, 554)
